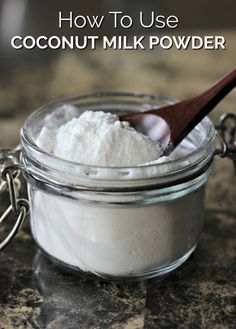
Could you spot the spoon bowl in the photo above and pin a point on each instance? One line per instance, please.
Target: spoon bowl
(151, 125)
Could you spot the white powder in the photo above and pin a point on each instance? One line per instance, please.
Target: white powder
(114, 239)
(117, 240)
(99, 139)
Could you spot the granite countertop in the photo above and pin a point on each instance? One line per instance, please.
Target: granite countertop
(200, 294)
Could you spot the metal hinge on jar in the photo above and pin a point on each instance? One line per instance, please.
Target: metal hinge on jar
(9, 181)
(226, 132)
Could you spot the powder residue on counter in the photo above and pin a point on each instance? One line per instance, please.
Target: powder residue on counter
(100, 139)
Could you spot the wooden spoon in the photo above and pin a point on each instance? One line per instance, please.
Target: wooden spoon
(170, 124)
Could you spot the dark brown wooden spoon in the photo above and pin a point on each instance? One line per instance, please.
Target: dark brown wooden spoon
(170, 124)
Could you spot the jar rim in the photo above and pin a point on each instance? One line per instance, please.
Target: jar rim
(195, 158)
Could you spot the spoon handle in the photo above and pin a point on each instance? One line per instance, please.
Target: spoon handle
(212, 96)
(193, 110)
(202, 104)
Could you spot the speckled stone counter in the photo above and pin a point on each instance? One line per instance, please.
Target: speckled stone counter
(202, 293)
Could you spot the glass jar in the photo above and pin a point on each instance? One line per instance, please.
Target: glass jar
(116, 223)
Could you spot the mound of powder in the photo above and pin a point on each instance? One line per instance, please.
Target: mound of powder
(100, 139)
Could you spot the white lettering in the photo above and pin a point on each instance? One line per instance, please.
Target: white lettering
(160, 19)
(31, 44)
(147, 26)
(54, 42)
(39, 45)
(115, 17)
(153, 41)
(109, 43)
(166, 42)
(172, 22)
(70, 19)
(197, 42)
(220, 42)
(83, 22)
(182, 42)
(95, 22)
(13, 42)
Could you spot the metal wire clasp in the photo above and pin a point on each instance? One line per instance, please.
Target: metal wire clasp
(9, 180)
(226, 132)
